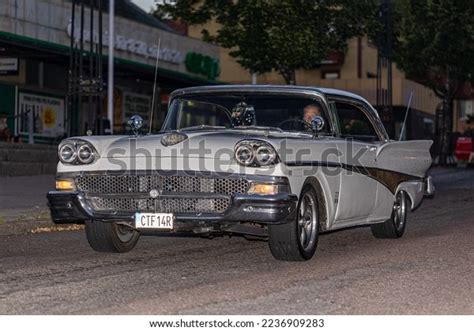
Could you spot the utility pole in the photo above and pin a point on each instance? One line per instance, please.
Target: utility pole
(110, 85)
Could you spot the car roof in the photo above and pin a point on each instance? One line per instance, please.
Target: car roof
(263, 88)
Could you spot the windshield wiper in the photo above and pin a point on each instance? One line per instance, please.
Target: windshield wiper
(202, 127)
(256, 127)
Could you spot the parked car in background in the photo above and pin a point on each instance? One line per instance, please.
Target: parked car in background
(464, 150)
(279, 162)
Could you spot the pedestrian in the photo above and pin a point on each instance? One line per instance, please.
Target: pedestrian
(4, 130)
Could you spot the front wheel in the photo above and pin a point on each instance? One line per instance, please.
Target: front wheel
(394, 227)
(297, 240)
(110, 237)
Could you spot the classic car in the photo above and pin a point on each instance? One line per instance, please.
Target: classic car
(281, 163)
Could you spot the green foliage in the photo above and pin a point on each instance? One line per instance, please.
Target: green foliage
(280, 35)
(435, 43)
(435, 46)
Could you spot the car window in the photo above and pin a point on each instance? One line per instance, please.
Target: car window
(354, 123)
(195, 113)
(287, 113)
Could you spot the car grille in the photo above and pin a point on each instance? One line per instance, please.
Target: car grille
(164, 205)
(215, 198)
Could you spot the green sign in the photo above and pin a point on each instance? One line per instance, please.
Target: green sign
(202, 64)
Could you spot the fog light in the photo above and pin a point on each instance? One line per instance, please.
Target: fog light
(263, 189)
(65, 185)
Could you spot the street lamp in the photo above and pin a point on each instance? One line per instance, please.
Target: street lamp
(110, 85)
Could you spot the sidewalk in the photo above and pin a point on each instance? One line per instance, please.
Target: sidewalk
(23, 203)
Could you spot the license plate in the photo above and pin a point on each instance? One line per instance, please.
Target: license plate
(154, 221)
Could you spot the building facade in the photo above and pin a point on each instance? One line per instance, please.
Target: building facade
(35, 40)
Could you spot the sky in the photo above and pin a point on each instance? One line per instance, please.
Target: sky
(145, 4)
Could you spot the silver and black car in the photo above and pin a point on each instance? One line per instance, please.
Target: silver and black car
(279, 162)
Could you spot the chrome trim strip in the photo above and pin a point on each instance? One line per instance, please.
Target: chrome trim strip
(389, 178)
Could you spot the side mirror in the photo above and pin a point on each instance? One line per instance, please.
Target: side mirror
(135, 122)
(317, 124)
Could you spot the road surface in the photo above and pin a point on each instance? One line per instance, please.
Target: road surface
(428, 271)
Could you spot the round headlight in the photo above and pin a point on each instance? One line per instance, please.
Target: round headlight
(85, 154)
(265, 155)
(245, 155)
(255, 153)
(67, 153)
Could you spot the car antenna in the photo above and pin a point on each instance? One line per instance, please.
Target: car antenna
(406, 116)
(154, 86)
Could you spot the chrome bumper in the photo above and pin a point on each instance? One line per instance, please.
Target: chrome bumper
(73, 207)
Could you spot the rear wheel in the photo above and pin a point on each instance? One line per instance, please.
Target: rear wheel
(297, 240)
(110, 237)
(395, 226)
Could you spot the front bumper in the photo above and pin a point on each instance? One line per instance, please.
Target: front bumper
(73, 207)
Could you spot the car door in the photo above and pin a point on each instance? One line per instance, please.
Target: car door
(357, 145)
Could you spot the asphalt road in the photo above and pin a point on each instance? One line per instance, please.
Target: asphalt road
(428, 271)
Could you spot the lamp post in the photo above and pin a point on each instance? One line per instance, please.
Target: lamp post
(110, 85)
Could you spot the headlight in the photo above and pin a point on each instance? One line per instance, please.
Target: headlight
(255, 153)
(245, 155)
(265, 155)
(173, 138)
(85, 154)
(76, 152)
(67, 153)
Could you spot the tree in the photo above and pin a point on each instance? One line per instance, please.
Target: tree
(435, 46)
(279, 35)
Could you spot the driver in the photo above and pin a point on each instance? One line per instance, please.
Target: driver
(310, 111)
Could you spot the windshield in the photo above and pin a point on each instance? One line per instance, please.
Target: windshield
(282, 113)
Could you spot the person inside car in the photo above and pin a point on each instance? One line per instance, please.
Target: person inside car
(310, 111)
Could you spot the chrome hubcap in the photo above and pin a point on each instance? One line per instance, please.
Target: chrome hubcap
(307, 222)
(400, 210)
